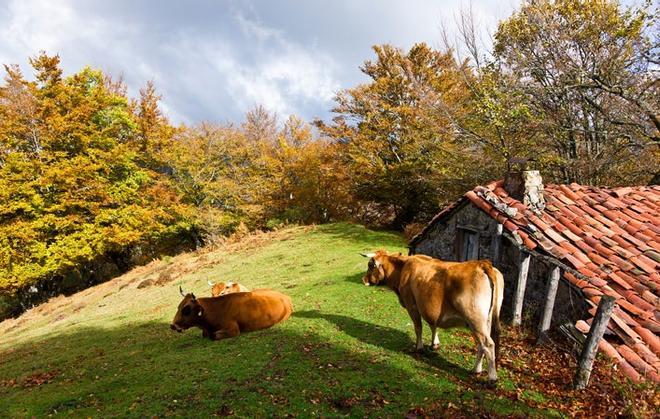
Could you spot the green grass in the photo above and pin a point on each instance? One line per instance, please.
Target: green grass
(345, 351)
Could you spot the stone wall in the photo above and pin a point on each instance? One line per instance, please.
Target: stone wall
(439, 243)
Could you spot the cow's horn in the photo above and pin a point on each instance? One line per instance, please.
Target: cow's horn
(368, 255)
(181, 291)
(210, 283)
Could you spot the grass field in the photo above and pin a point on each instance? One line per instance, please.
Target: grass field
(108, 351)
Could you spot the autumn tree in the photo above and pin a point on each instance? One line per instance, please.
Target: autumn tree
(154, 133)
(589, 68)
(74, 197)
(259, 177)
(309, 183)
(400, 148)
(218, 171)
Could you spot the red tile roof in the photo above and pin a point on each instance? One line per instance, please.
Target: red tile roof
(611, 237)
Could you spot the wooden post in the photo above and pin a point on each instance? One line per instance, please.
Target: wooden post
(523, 267)
(590, 348)
(497, 244)
(553, 283)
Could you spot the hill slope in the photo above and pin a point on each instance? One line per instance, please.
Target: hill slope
(108, 350)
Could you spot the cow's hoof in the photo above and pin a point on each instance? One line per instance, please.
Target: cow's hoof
(435, 347)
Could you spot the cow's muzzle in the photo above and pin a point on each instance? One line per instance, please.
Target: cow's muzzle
(365, 281)
(176, 328)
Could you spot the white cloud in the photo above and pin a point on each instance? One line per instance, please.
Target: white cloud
(285, 72)
(215, 60)
(278, 73)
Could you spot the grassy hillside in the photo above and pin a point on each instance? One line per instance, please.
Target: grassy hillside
(109, 351)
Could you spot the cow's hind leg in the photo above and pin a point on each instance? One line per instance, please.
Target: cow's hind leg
(228, 331)
(478, 365)
(486, 346)
(417, 322)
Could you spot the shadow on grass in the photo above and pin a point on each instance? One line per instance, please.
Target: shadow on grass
(356, 279)
(145, 369)
(386, 338)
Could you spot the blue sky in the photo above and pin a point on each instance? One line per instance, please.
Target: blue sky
(214, 60)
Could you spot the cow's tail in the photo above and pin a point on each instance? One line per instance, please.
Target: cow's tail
(497, 283)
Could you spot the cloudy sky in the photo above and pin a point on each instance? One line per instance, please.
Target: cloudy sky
(213, 60)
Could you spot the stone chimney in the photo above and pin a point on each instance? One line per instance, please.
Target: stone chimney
(527, 187)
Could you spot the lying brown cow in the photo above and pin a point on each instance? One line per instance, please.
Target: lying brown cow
(230, 315)
(446, 294)
(222, 288)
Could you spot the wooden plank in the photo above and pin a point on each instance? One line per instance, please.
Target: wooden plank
(496, 244)
(598, 326)
(523, 268)
(551, 294)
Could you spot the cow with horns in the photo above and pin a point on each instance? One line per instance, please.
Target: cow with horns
(231, 314)
(445, 294)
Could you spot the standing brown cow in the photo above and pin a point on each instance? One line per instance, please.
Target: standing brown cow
(232, 314)
(446, 294)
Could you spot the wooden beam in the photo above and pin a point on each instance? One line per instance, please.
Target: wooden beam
(546, 319)
(590, 348)
(523, 268)
(496, 244)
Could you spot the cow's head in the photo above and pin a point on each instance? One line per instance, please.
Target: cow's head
(375, 271)
(188, 313)
(222, 288)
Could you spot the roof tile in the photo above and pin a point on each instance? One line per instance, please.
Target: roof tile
(619, 280)
(649, 338)
(635, 360)
(645, 263)
(554, 235)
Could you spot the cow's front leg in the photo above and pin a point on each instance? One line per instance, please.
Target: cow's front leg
(228, 331)
(417, 322)
(435, 341)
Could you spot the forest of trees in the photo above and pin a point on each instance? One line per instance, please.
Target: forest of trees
(93, 181)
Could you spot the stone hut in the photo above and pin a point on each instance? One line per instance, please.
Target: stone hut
(595, 240)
